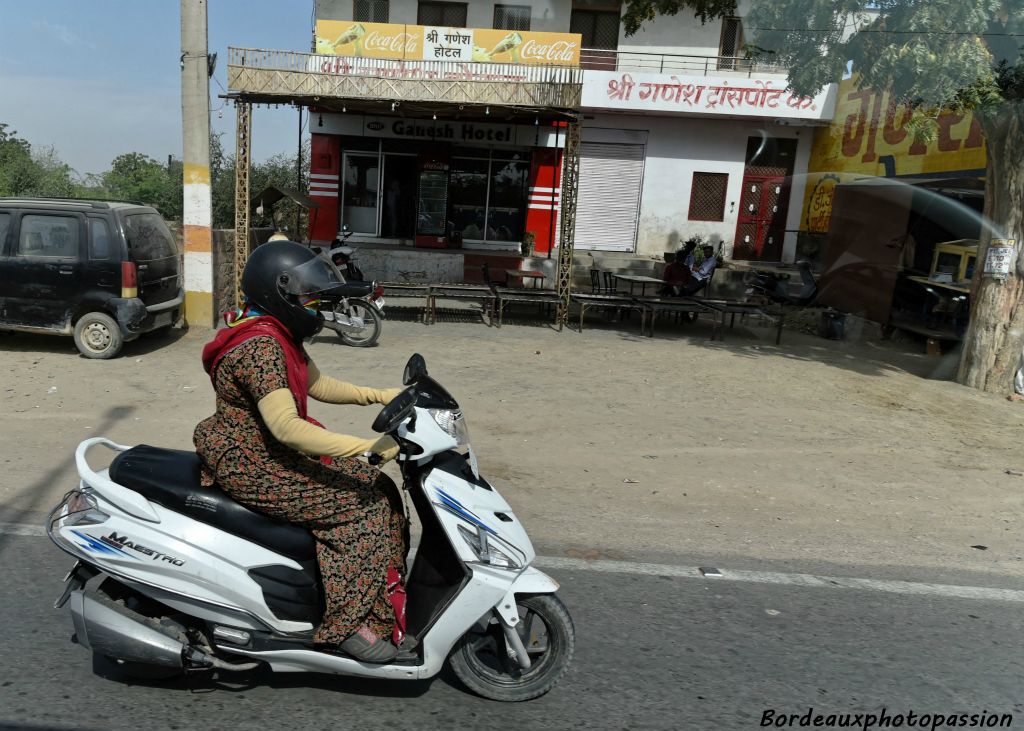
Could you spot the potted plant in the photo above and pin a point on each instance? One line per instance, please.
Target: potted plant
(526, 247)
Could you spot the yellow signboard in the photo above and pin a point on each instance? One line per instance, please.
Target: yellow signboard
(869, 137)
(428, 43)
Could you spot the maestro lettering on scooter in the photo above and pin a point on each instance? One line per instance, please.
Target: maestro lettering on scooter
(242, 589)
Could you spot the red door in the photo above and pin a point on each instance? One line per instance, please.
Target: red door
(761, 224)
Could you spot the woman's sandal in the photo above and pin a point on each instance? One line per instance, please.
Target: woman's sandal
(366, 646)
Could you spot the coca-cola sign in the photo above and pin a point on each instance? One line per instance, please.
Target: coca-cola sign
(402, 43)
(399, 42)
(556, 52)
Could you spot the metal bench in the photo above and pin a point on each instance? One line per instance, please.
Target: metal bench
(651, 306)
(404, 290)
(458, 291)
(605, 301)
(505, 296)
(737, 307)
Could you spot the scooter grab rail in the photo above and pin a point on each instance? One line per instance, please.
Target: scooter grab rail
(127, 500)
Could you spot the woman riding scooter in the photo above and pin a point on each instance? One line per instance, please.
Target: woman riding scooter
(263, 449)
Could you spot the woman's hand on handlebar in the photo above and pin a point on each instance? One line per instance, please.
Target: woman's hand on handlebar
(383, 450)
(389, 394)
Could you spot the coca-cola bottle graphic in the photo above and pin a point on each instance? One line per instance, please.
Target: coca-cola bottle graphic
(509, 44)
(354, 34)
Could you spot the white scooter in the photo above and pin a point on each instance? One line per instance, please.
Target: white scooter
(172, 577)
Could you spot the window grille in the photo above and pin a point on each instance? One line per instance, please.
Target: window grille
(731, 46)
(707, 196)
(512, 17)
(370, 11)
(442, 15)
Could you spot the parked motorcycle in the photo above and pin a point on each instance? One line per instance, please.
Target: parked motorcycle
(357, 312)
(774, 286)
(173, 577)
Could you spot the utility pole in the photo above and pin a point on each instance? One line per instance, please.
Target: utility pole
(195, 127)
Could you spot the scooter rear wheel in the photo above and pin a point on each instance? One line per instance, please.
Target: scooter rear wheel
(481, 662)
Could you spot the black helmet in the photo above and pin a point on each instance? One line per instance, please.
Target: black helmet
(279, 276)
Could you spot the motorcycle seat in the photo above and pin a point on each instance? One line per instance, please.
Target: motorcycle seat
(170, 477)
(349, 289)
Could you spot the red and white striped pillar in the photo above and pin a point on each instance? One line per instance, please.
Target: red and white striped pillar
(544, 205)
(324, 186)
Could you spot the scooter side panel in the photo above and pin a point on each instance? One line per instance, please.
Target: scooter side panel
(182, 557)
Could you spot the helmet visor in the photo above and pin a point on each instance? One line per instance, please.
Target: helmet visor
(308, 278)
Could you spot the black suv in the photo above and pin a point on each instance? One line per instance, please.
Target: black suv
(104, 272)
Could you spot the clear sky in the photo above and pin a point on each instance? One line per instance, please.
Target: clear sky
(96, 78)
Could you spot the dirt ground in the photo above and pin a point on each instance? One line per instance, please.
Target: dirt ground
(611, 445)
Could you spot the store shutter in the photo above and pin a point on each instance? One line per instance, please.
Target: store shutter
(608, 199)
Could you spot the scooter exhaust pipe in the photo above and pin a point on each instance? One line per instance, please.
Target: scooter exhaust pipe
(108, 629)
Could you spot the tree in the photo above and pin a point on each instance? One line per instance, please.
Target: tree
(137, 177)
(277, 170)
(931, 56)
(24, 172)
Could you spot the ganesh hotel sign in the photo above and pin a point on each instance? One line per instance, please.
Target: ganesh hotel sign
(399, 42)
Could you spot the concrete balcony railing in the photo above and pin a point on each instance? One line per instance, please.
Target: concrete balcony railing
(667, 63)
(266, 75)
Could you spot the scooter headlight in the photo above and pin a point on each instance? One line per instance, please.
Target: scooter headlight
(490, 550)
(452, 423)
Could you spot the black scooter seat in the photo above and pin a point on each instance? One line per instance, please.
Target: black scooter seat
(170, 477)
(348, 289)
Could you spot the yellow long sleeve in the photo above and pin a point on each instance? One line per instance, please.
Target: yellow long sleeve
(332, 391)
(278, 411)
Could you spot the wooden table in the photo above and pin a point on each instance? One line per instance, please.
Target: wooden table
(953, 286)
(642, 280)
(524, 274)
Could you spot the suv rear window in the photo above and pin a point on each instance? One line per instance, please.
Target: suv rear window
(148, 237)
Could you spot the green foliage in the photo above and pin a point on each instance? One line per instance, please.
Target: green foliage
(137, 177)
(933, 55)
(639, 12)
(28, 172)
(940, 54)
(278, 170)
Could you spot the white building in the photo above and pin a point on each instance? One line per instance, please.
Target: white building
(682, 136)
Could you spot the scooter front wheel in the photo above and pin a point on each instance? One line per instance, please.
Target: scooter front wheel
(481, 661)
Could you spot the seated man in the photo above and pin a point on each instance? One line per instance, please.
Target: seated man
(677, 275)
(702, 274)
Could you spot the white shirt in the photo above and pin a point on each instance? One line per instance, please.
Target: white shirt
(706, 268)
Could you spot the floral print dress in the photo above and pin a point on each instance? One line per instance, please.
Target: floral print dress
(353, 510)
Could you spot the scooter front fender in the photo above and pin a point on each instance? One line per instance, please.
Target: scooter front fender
(534, 581)
(531, 581)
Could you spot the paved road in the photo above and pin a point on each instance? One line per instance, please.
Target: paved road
(654, 652)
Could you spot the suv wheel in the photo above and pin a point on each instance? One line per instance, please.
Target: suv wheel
(98, 336)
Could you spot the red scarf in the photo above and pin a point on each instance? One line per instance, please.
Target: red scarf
(295, 357)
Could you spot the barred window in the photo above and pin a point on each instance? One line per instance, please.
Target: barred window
(512, 17)
(442, 15)
(599, 28)
(370, 11)
(707, 196)
(731, 45)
